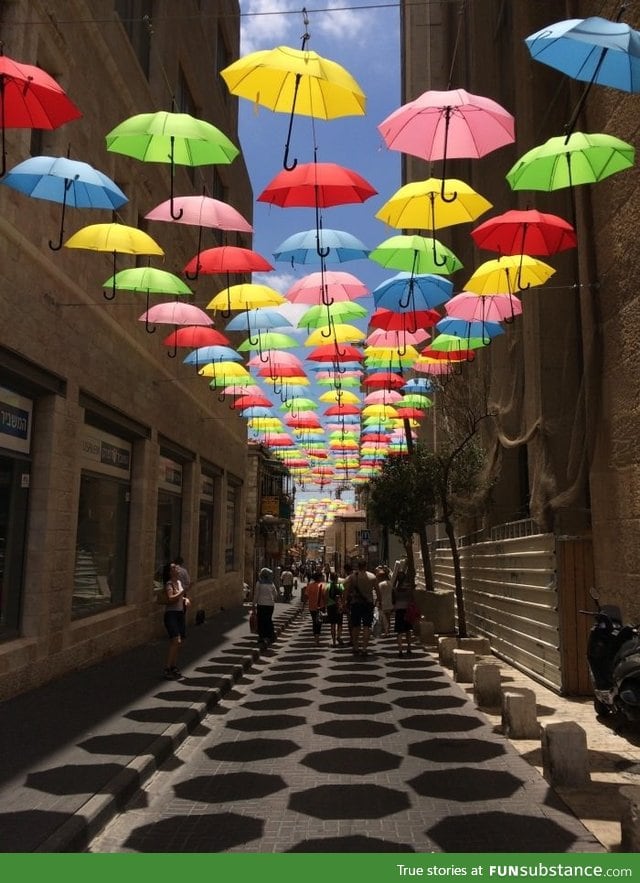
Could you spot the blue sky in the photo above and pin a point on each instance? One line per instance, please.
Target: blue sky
(364, 39)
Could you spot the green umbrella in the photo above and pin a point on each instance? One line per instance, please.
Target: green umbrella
(148, 280)
(344, 381)
(268, 340)
(446, 343)
(176, 138)
(565, 161)
(414, 400)
(338, 312)
(415, 254)
(299, 403)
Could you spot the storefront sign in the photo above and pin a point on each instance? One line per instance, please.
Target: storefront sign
(16, 414)
(207, 486)
(170, 475)
(270, 506)
(105, 453)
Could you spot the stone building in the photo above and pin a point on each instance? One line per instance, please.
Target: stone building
(563, 381)
(113, 456)
(268, 512)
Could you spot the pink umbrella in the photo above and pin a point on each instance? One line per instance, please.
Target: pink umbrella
(175, 313)
(454, 124)
(277, 358)
(235, 390)
(396, 339)
(321, 287)
(484, 308)
(382, 397)
(201, 211)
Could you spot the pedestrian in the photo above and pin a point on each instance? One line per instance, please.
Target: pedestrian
(362, 586)
(287, 584)
(183, 574)
(317, 603)
(174, 618)
(385, 601)
(402, 594)
(335, 607)
(264, 598)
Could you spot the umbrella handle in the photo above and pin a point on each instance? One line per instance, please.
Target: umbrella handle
(3, 169)
(285, 162)
(58, 244)
(221, 397)
(171, 160)
(113, 286)
(329, 326)
(173, 353)
(150, 329)
(445, 198)
(194, 276)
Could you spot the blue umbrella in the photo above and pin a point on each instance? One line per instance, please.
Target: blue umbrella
(205, 354)
(462, 328)
(594, 50)
(257, 411)
(262, 319)
(418, 384)
(69, 181)
(303, 248)
(404, 293)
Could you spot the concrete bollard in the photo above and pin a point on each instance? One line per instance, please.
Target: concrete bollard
(446, 646)
(630, 821)
(519, 719)
(487, 687)
(427, 633)
(481, 646)
(565, 758)
(463, 662)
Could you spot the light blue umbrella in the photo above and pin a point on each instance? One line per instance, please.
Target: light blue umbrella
(418, 384)
(257, 411)
(594, 50)
(336, 247)
(261, 319)
(64, 180)
(466, 330)
(205, 354)
(405, 293)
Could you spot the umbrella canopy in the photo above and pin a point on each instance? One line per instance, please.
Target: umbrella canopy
(31, 99)
(383, 380)
(251, 401)
(442, 125)
(390, 320)
(321, 316)
(450, 343)
(227, 259)
(201, 211)
(332, 352)
(327, 286)
(246, 296)
(267, 340)
(484, 308)
(431, 205)
(260, 319)
(504, 275)
(148, 280)
(224, 368)
(594, 50)
(405, 292)
(215, 353)
(466, 330)
(525, 232)
(396, 339)
(178, 138)
(317, 184)
(193, 336)
(303, 248)
(568, 160)
(340, 395)
(416, 254)
(339, 333)
(176, 313)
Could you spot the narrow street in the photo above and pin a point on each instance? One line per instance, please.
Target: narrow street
(315, 750)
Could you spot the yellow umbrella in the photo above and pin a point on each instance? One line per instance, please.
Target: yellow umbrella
(508, 274)
(114, 238)
(246, 296)
(226, 369)
(430, 205)
(340, 333)
(340, 395)
(384, 411)
(293, 81)
(263, 423)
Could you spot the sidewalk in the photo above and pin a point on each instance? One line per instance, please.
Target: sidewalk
(73, 752)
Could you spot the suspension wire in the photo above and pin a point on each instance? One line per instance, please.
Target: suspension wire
(461, 13)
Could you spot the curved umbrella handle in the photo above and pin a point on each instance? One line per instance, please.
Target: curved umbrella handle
(58, 245)
(443, 196)
(330, 326)
(289, 167)
(194, 276)
(172, 165)
(221, 396)
(436, 261)
(113, 286)
(151, 329)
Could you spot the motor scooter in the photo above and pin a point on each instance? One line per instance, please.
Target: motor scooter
(613, 654)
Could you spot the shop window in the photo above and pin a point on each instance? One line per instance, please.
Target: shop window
(169, 513)
(206, 526)
(14, 484)
(231, 529)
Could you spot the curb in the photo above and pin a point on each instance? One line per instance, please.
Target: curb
(78, 830)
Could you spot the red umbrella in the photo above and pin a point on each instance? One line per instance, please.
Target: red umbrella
(251, 401)
(320, 184)
(389, 320)
(451, 356)
(341, 409)
(31, 99)
(384, 380)
(525, 232)
(194, 336)
(226, 259)
(330, 352)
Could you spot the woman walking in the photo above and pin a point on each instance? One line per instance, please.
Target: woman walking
(335, 608)
(385, 601)
(264, 599)
(402, 594)
(175, 618)
(317, 602)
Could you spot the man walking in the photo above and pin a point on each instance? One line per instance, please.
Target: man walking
(360, 586)
(286, 578)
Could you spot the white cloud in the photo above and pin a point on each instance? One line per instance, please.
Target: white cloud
(279, 281)
(262, 27)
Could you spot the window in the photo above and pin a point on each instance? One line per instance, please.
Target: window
(14, 491)
(230, 536)
(206, 524)
(135, 16)
(103, 523)
(169, 513)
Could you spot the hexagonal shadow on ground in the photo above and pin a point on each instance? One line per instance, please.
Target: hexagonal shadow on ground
(291, 676)
(500, 832)
(456, 750)
(206, 832)
(281, 689)
(356, 692)
(356, 707)
(466, 784)
(354, 729)
(251, 749)
(361, 762)
(431, 702)
(441, 723)
(354, 843)
(278, 703)
(349, 801)
(78, 778)
(262, 723)
(229, 787)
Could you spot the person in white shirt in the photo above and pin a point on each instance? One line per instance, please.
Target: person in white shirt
(265, 596)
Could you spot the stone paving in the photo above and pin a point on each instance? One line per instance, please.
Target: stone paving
(315, 750)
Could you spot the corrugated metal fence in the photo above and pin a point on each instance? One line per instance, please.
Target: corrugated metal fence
(523, 593)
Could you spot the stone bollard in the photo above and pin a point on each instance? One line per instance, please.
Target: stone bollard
(487, 687)
(463, 662)
(481, 646)
(519, 719)
(446, 646)
(630, 821)
(565, 759)
(427, 633)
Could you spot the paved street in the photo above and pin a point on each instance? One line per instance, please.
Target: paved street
(314, 750)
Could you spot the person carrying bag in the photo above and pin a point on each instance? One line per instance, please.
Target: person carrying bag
(317, 604)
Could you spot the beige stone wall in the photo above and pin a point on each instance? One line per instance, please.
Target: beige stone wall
(564, 379)
(53, 314)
